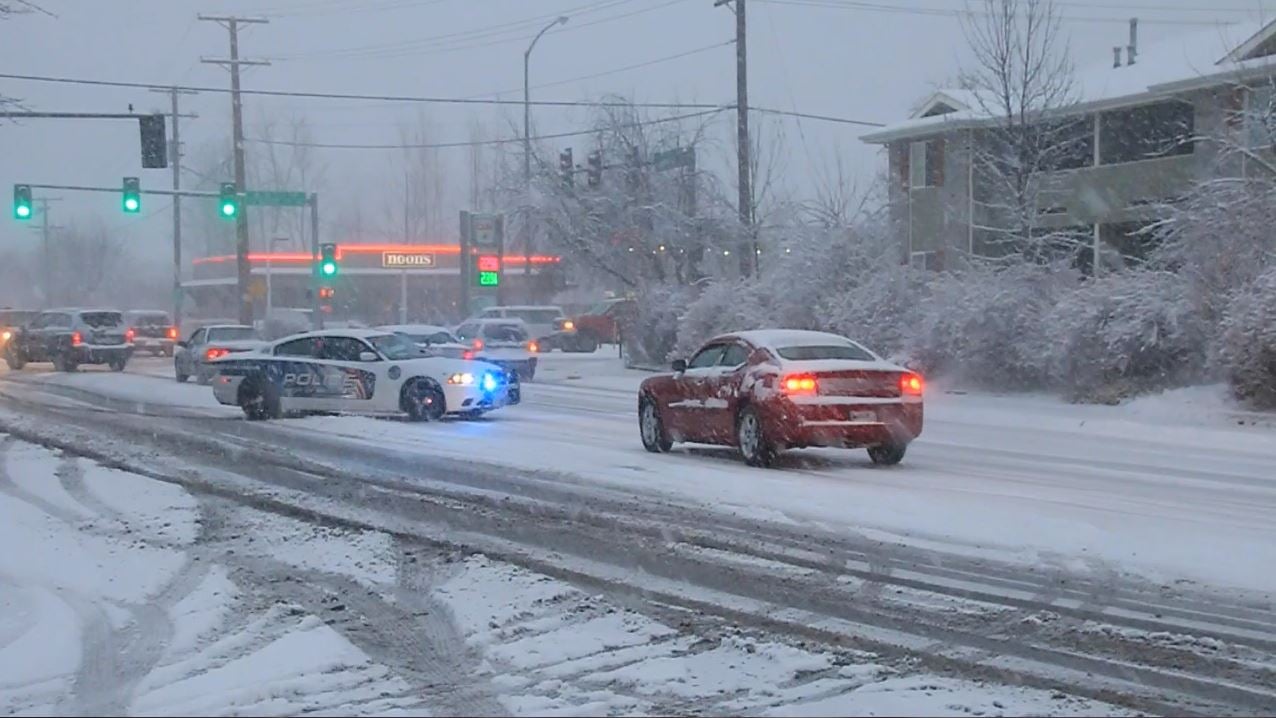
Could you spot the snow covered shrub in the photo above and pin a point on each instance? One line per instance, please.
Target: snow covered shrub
(1220, 239)
(984, 325)
(650, 336)
(1247, 351)
(1126, 333)
(881, 311)
(724, 306)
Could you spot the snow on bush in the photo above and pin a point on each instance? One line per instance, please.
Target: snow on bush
(1126, 333)
(985, 325)
(724, 306)
(882, 310)
(650, 336)
(1248, 348)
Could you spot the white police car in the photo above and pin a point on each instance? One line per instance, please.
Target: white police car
(363, 371)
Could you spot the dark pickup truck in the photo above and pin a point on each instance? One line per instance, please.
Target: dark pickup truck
(71, 337)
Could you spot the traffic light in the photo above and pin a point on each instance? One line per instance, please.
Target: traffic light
(565, 167)
(595, 173)
(228, 201)
(22, 202)
(154, 145)
(487, 270)
(132, 199)
(328, 261)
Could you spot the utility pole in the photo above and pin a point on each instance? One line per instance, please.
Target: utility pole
(175, 158)
(231, 23)
(749, 252)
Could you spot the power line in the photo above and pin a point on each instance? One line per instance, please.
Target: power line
(613, 71)
(939, 12)
(440, 100)
(459, 36)
(352, 96)
(520, 37)
(810, 116)
(478, 143)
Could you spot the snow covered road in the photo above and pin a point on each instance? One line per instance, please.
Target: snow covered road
(1116, 554)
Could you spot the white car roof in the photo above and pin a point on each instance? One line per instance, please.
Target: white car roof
(415, 328)
(776, 338)
(528, 306)
(228, 326)
(495, 320)
(349, 333)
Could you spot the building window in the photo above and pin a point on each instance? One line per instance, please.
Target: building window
(917, 164)
(924, 260)
(926, 163)
(1163, 129)
(1258, 117)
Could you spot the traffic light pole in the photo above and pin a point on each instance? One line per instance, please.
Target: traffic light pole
(175, 157)
(316, 316)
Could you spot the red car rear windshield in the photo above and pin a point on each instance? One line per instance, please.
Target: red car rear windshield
(817, 352)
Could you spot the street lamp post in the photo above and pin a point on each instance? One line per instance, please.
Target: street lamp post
(527, 145)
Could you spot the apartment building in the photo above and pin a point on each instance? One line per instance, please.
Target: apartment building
(1144, 127)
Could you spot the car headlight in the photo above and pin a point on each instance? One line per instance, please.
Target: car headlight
(5, 336)
(490, 382)
(462, 379)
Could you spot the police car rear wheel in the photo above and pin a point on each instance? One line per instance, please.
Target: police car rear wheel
(423, 400)
(258, 401)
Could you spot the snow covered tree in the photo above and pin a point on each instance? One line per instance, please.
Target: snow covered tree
(1021, 79)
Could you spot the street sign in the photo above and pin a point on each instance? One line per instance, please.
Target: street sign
(272, 198)
(677, 157)
(407, 260)
(484, 230)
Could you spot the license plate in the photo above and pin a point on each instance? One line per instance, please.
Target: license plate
(864, 415)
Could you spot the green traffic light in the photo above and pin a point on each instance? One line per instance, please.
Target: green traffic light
(22, 211)
(228, 209)
(328, 269)
(131, 204)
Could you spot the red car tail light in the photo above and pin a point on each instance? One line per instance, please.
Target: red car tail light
(129, 336)
(467, 354)
(215, 353)
(172, 332)
(911, 385)
(533, 347)
(76, 339)
(478, 345)
(799, 384)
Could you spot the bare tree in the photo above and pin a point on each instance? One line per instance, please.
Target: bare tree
(285, 162)
(419, 208)
(83, 259)
(1020, 78)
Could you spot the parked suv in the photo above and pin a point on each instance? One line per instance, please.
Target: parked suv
(153, 331)
(71, 337)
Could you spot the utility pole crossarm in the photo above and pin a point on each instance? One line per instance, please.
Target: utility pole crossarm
(229, 62)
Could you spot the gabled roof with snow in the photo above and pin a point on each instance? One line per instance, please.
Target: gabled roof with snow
(1213, 56)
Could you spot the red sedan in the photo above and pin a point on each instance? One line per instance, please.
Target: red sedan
(765, 391)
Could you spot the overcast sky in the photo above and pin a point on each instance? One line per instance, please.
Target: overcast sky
(865, 60)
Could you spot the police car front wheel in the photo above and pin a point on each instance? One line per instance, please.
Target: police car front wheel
(423, 400)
